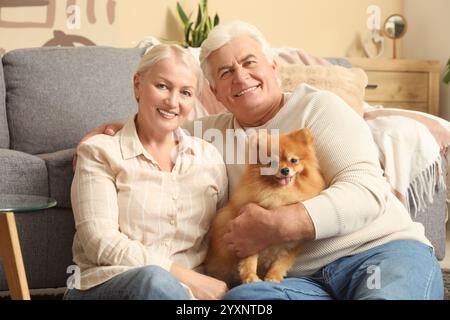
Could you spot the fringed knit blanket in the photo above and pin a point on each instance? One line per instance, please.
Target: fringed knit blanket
(411, 148)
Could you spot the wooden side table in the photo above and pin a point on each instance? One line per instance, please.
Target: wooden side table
(402, 83)
(10, 251)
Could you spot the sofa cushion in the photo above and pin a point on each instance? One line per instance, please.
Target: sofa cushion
(22, 173)
(347, 83)
(56, 95)
(4, 135)
(60, 175)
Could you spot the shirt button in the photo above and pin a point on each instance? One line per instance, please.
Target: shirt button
(172, 222)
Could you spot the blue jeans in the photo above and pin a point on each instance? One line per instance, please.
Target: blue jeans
(145, 283)
(399, 270)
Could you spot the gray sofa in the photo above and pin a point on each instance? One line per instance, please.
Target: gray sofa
(51, 97)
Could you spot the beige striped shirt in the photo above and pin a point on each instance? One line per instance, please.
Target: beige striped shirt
(129, 213)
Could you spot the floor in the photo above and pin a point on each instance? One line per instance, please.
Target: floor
(58, 292)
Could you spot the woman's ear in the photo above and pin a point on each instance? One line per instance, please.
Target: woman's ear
(136, 83)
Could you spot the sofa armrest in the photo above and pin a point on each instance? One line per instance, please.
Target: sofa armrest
(60, 175)
(22, 173)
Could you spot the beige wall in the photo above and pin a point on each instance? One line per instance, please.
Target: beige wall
(428, 38)
(322, 27)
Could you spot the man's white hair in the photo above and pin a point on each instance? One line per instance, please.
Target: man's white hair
(223, 34)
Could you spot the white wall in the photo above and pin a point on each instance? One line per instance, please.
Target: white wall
(428, 37)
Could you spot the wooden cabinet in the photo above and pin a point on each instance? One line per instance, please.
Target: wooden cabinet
(402, 83)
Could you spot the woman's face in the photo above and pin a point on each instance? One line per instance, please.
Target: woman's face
(166, 94)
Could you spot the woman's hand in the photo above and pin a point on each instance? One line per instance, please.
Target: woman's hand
(203, 287)
(109, 129)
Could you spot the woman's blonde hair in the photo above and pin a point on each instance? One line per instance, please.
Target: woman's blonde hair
(163, 51)
(223, 34)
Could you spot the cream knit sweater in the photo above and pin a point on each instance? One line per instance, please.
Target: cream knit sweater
(357, 211)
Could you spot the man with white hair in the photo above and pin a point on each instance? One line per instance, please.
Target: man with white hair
(359, 240)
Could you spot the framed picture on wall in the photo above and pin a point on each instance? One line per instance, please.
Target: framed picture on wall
(43, 11)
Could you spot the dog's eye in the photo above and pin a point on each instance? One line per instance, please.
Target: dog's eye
(294, 161)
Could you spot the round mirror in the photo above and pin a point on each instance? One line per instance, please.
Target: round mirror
(395, 26)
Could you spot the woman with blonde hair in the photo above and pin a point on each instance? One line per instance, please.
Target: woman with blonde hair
(144, 198)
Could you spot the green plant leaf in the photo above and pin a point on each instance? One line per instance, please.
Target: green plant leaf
(196, 32)
(194, 39)
(446, 78)
(208, 25)
(184, 18)
(216, 20)
(188, 33)
(199, 17)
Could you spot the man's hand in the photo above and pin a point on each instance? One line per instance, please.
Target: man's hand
(109, 129)
(203, 287)
(257, 228)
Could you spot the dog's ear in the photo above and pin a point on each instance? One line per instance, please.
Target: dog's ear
(303, 135)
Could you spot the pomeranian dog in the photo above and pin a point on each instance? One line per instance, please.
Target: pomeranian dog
(295, 177)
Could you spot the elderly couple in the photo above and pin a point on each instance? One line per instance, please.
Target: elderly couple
(143, 199)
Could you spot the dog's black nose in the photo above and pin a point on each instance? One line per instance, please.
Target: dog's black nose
(285, 171)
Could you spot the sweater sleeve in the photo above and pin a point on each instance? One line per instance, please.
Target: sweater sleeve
(357, 192)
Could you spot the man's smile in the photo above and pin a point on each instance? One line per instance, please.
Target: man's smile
(244, 91)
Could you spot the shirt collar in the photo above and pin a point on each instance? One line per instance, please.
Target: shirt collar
(185, 141)
(131, 146)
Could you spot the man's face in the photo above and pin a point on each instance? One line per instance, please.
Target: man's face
(245, 82)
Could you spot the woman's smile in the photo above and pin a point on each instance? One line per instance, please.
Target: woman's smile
(167, 114)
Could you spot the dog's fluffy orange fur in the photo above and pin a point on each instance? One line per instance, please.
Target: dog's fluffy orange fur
(297, 178)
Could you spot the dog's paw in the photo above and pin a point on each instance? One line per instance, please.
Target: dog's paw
(251, 278)
(273, 276)
(273, 279)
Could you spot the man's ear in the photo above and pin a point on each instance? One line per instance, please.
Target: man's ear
(274, 64)
(275, 68)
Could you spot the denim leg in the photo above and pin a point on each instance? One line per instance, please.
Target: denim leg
(398, 270)
(303, 288)
(145, 283)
